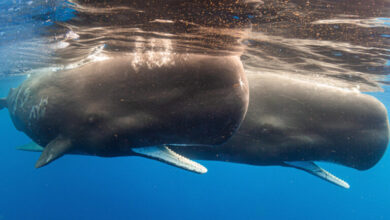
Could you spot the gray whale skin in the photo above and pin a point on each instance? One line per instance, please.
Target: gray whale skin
(132, 105)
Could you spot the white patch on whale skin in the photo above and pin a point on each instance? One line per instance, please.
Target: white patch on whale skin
(242, 84)
(25, 97)
(49, 158)
(15, 103)
(38, 111)
(21, 98)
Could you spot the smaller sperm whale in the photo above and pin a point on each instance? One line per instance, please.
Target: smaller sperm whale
(294, 123)
(132, 105)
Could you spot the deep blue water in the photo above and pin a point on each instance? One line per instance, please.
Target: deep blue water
(81, 187)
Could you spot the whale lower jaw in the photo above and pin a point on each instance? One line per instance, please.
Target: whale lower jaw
(168, 156)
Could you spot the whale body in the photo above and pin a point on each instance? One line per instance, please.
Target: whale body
(293, 123)
(132, 105)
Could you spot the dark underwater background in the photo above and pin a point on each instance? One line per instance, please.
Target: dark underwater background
(33, 35)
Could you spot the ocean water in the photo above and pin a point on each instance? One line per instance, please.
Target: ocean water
(348, 48)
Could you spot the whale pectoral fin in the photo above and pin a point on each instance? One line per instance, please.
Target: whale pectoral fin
(54, 150)
(34, 147)
(315, 170)
(3, 103)
(166, 155)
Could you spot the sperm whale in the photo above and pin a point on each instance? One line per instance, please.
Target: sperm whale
(294, 123)
(133, 105)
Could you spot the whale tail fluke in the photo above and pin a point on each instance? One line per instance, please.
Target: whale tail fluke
(3, 103)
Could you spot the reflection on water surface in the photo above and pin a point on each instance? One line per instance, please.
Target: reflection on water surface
(344, 43)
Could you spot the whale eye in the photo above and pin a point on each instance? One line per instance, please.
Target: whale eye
(93, 119)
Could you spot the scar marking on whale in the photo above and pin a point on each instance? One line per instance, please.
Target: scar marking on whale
(21, 98)
(25, 97)
(38, 111)
(16, 102)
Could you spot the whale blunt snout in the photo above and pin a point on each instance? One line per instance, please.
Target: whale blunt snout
(371, 142)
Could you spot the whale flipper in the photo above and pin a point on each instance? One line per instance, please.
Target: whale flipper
(315, 170)
(166, 155)
(54, 150)
(163, 154)
(34, 147)
(3, 103)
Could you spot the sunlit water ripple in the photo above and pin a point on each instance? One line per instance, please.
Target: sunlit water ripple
(342, 43)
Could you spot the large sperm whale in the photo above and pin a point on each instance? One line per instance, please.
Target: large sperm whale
(132, 105)
(293, 123)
